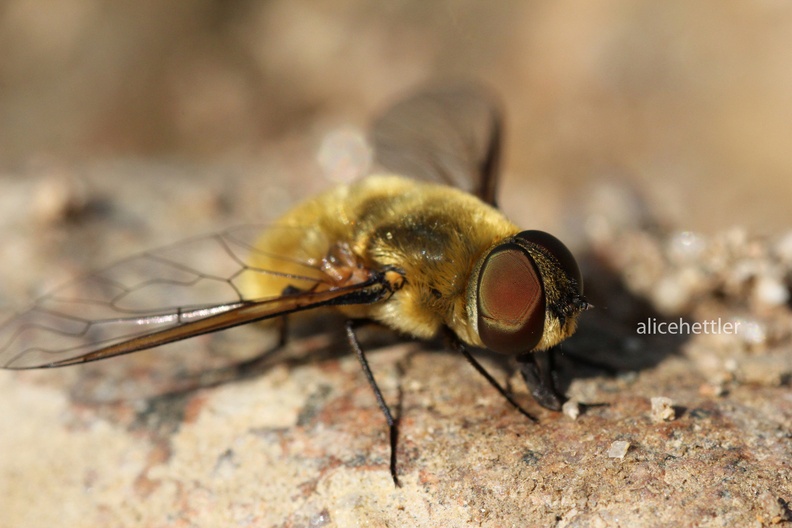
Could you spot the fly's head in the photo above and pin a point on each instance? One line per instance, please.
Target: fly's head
(525, 293)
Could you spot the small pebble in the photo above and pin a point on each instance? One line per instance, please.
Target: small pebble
(751, 331)
(770, 291)
(571, 408)
(686, 247)
(56, 198)
(712, 389)
(662, 409)
(783, 248)
(618, 449)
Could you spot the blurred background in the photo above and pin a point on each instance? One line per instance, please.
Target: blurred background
(688, 103)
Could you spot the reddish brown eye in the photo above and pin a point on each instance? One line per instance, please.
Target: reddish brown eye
(511, 301)
(557, 250)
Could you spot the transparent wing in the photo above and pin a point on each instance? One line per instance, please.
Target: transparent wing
(448, 134)
(191, 288)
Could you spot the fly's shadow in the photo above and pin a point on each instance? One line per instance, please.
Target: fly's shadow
(607, 342)
(235, 355)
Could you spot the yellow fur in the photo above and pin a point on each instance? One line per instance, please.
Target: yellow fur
(379, 217)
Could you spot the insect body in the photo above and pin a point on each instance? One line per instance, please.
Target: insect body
(449, 260)
(417, 246)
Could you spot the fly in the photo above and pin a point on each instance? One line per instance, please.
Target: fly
(418, 246)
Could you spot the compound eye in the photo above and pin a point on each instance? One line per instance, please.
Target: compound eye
(559, 251)
(511, 301)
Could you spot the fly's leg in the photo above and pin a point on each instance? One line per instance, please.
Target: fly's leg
(492, 381)
(392, 422)
(537, 371)
(282, 325)
(283, 330)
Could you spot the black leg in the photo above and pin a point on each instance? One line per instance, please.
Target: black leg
(492, 381)
(253, 364)
(392, 423)
(283, 330)
(537, 371)
(248, 366)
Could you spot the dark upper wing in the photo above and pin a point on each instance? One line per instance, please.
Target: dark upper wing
(188, 289)
(448, 135)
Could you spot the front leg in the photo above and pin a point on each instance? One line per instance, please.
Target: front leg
(537, 371)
